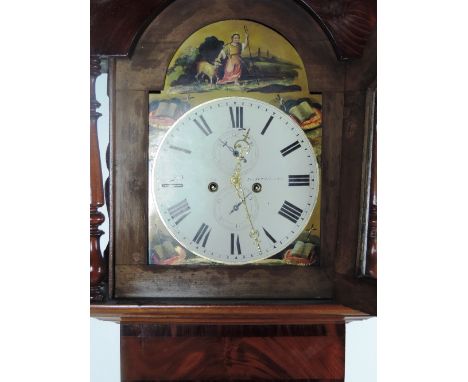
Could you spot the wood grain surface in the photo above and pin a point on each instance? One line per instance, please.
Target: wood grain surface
(331, 160)
(192, 353)
(130, 164)
(222, 281)
(226, 312)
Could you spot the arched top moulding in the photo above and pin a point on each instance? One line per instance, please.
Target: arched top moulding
(117, 25)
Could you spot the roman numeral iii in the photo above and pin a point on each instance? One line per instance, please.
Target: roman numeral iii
(203, 126)
(299, 180)
(237, 117)
(179, 211)
(202, 233)
(290, 211)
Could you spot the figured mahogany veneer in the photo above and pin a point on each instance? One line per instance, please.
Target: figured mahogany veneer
(232, 353)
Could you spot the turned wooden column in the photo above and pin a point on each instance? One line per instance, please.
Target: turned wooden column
(97, 265)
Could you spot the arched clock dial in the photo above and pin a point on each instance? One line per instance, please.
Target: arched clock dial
(235, 180)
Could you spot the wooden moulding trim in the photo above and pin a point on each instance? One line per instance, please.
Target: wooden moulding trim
(227, 314)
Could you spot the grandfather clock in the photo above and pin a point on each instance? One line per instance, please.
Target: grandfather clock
(242, 188)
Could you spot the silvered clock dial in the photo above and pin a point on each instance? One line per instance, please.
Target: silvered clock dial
(235, 180)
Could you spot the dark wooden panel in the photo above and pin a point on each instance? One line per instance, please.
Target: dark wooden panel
(247, 281)
(117, 24)
(147, 331)
(130, 177)
(351, 164)
(283, 15)
(358, 293)
(363, 72)
(181, 353)
(331, 161)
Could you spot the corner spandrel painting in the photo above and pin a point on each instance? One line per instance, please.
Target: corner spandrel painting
(234, 58)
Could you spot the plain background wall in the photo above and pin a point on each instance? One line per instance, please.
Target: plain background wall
(105, 336)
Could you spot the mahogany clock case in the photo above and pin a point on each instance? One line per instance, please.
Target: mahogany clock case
(343, 85)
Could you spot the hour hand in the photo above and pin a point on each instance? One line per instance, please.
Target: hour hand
(237, 205)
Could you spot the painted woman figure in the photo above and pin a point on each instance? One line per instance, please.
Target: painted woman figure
(232, 52)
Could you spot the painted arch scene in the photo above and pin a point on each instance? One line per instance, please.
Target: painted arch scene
(235, 55)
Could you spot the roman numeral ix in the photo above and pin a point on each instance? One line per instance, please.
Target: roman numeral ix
(202, 233)
(299, 180)
(290, 211)
(289, 149)
(238, 120)
(179, 211)
(203, 126)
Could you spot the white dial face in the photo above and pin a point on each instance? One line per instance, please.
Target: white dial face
(235, 180)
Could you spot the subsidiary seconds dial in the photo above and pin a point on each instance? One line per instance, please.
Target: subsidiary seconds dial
(235, 180)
